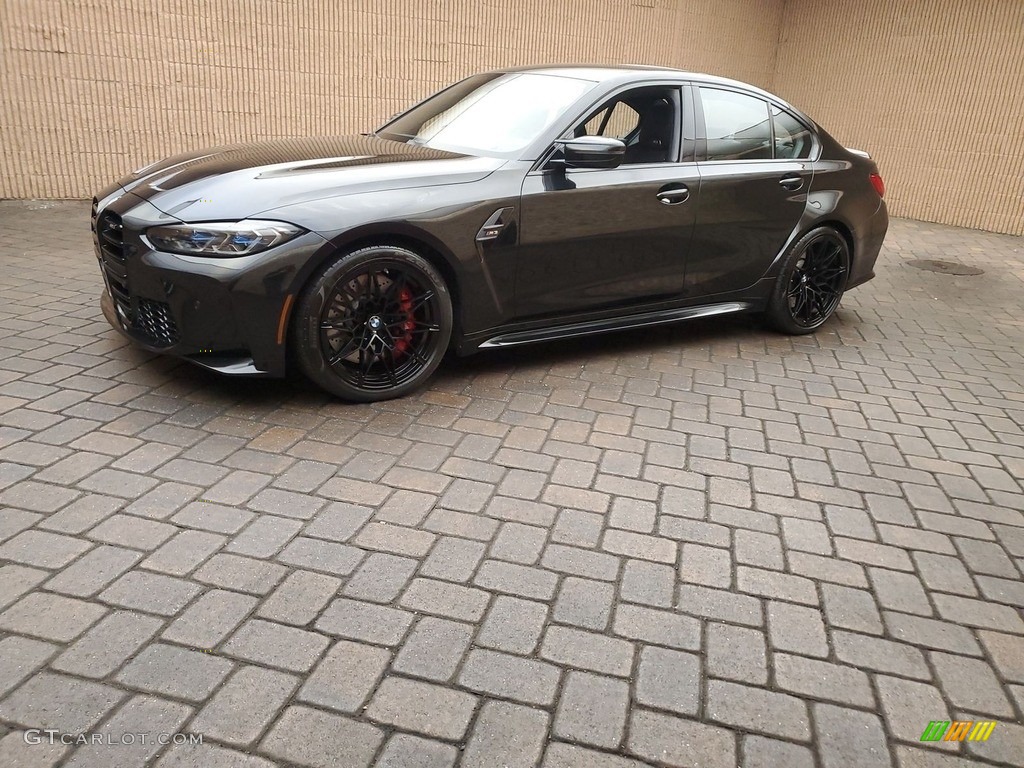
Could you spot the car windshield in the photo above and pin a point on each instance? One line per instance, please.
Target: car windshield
(497, 114)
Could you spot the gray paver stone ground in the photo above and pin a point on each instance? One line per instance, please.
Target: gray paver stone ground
(695, 545)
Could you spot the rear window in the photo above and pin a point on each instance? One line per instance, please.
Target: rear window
(737, 126)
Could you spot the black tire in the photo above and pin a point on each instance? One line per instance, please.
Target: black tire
(374, 324)
(811, 283)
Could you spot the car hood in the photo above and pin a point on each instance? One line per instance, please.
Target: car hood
(243, 180)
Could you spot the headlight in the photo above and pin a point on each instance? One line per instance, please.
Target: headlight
(228, 238)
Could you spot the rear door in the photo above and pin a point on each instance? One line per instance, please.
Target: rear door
(753, 188)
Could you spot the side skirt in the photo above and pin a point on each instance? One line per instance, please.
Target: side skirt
(607, 325)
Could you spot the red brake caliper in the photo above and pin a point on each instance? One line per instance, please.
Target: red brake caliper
(405, 302)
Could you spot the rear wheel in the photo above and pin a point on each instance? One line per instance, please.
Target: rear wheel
(811, 283)
(374, 324)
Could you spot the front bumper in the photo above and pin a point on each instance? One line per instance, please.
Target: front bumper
(233, 363)
(228, 315)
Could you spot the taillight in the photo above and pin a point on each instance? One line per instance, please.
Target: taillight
(878, 184)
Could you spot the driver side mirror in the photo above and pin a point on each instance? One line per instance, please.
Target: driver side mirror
(591, 152)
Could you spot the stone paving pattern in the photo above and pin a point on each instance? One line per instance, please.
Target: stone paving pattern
(704, 545)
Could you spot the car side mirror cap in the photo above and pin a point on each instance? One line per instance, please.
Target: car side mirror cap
(591, 152)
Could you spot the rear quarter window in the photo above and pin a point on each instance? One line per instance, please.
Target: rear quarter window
(792, 138)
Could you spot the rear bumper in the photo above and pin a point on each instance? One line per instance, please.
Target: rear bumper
(867, 248)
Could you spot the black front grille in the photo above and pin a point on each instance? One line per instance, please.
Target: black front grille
(110, 235)
(154, 319)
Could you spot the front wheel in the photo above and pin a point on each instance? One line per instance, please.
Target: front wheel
(374, 324)
(811, 282)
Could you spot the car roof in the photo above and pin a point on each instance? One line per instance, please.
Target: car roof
(622, 74)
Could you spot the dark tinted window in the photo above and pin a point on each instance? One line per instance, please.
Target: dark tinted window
(792, 138)
(737, 126)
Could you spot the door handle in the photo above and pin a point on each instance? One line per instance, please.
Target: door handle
(673, 194)
(791, 181)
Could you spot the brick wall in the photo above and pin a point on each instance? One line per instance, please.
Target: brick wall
(932, 88)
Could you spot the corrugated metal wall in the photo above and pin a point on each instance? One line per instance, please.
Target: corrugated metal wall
(93, 88)
(934, 89)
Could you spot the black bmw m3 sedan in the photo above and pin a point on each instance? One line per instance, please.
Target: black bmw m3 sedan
(516, 206)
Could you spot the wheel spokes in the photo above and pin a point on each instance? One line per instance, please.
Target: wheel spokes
(393, 295)
(829, 273)
(340, 325)
(378, 325)
(345, 351)
(817, 280)
(388, 358)
(418, 301)
(801, 301)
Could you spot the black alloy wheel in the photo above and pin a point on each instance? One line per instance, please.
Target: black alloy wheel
(811, 283)
(374, 325)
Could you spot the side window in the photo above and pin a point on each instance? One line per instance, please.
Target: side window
(618, 121)
(737, 126)
(646, 120)
(792, 138)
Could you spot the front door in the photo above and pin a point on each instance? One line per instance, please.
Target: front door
(594, 239)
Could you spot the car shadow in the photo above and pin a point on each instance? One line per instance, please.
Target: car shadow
(693, 339)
